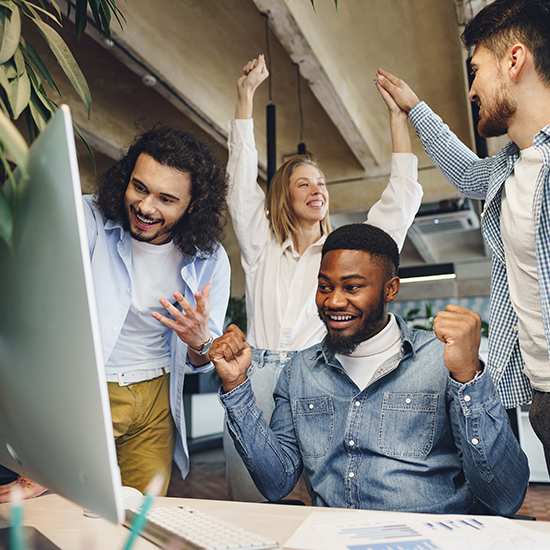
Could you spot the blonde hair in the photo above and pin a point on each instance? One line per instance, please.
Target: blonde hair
(278, 204)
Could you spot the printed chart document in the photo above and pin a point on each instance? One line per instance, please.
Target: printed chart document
(390, 531)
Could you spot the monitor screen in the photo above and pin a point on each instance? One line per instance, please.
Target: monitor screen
(55, 421)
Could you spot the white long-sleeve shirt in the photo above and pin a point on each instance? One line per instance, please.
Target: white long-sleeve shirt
(281, 284)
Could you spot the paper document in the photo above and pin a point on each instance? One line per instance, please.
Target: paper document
(391, 531)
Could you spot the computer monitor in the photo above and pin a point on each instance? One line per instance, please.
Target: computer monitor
(55, 420)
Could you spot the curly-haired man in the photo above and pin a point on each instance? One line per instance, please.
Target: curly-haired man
(162, 286)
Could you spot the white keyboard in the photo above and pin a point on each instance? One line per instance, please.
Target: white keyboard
(183, 528)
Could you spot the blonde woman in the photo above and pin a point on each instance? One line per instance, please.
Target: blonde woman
(281, 237)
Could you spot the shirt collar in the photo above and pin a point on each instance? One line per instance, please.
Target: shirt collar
(288, 244)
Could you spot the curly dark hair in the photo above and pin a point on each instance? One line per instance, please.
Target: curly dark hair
(502, 22)
(367, 238)
(200, 229)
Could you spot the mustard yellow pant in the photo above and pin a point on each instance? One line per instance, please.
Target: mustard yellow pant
(144, 431)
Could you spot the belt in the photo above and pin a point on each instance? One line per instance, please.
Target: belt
(135, 376)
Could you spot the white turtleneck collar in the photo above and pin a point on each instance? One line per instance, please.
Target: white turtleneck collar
(370, 354)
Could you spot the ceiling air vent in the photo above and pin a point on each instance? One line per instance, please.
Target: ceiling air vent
(445, 221)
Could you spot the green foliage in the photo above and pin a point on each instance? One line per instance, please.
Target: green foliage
(236, 313)
(24, 78)
(425, 321)
(313, 4)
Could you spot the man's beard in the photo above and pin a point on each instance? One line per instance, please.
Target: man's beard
(144, 237)
(496, 121)
(346, 345)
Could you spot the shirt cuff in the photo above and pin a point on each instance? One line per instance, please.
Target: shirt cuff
(241, 130)
(239, 398)
(404, 165)
(419, 111)
(476, 395)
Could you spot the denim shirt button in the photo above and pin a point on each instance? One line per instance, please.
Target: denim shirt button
(351, 474)
(311, 405)
(357, 404)
(408, 400)
(475, 441)
(351, 443)
(467, 398)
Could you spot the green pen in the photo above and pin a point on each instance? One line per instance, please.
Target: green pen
(139, 521)
(17, 540)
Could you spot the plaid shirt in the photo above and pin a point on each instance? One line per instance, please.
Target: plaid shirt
(483, 179)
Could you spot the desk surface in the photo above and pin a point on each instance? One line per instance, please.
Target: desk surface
(65, 525)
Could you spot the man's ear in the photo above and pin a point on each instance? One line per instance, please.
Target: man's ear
(392, 289)
(516, 60)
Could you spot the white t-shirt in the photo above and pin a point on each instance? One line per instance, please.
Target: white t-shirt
(518, 238)
(143, 341)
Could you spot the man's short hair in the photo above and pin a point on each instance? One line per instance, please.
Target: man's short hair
(199, 230)
(499, 24)
(367, 238)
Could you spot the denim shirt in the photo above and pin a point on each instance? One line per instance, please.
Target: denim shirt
(413, 440)
(484, 179)
(111, 258)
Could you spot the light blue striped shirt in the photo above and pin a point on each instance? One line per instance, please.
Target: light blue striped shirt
(484, 179)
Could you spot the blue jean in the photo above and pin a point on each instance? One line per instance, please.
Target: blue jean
(263, 374)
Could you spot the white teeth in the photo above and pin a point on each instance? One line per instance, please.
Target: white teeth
(316, 203)
(341, 317)
(145, 221)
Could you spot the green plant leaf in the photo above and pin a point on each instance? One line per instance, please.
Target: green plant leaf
(36, 10)
(9, 68)
(67, 62)
(20, 91)
(86, 144)
(35, 60)
(5, 83)
(81, 17)
(37, 114)
(11, 31)
(14, 143)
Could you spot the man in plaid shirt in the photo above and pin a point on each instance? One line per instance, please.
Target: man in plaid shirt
(511, 63)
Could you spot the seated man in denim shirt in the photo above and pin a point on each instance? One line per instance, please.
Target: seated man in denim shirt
(378, 415)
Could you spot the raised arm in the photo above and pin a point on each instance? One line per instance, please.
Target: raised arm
(400, 201)
(401, 141)
(460, 166)
(494, 464)
(246, 199)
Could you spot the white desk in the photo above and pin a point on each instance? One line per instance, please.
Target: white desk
(65, 525)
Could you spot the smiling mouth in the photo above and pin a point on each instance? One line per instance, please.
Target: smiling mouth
(316, 204)
(339, 320)
(144, 222)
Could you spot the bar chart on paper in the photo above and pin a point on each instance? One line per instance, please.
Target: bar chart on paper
(412, 532)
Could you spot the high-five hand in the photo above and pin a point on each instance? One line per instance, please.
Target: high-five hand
(399, 90)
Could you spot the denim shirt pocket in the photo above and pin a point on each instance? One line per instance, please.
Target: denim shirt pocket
(314, 424)
(407, 424)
